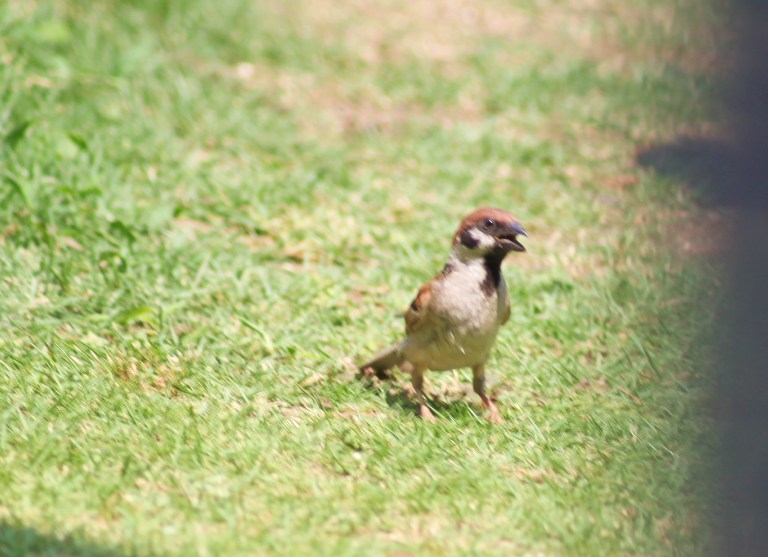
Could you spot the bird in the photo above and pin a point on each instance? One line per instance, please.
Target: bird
(454, 319)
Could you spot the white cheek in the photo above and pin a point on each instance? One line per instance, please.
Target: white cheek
(484, 241)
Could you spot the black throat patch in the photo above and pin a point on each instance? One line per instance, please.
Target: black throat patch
(492, 263)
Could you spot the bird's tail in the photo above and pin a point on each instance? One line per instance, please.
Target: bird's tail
(385, 360)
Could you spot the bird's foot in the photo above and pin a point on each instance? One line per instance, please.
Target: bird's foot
(367, 372)
(426, 414)
(494, 417)
(493, 413)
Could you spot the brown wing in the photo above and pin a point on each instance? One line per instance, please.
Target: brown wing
(418, 313)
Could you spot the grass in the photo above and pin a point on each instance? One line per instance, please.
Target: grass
(208, 211)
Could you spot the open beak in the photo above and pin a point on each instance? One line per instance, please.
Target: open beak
(509, 238)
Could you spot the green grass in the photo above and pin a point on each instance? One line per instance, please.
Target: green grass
(208, 211)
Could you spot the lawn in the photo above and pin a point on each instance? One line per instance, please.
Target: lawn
(209, 211)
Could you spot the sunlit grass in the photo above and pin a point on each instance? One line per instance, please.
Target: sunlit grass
(210, 211)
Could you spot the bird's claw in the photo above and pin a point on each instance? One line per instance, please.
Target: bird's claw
(494, 417)
(426, 414)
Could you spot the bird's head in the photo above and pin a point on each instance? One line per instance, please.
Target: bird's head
(486, 232)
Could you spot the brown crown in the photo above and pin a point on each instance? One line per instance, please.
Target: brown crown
(478, 217)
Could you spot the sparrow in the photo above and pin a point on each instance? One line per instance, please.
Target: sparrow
(455, 317)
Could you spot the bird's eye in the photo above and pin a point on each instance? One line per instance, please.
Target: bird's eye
(489, 223)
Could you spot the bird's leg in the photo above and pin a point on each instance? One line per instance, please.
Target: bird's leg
(417, 380)
(478, 384)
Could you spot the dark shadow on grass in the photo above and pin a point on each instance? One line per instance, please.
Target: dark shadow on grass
(705, 165)
(17, 540)
(446, 405)
(401, 399)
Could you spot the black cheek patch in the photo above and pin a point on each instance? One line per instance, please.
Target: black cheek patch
(467, 240)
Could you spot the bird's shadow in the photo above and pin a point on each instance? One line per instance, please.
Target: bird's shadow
(403, 399)
(448, 397)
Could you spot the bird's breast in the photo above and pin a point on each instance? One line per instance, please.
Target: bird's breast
(466, 319)
(461, 300)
